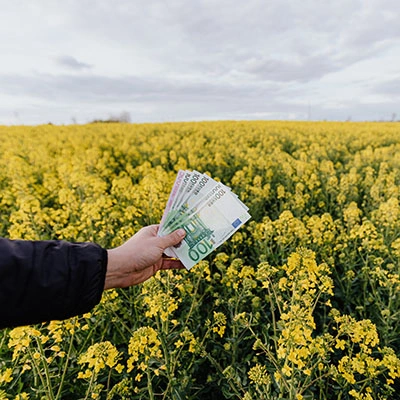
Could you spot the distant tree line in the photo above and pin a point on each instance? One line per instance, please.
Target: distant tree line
(124, 117)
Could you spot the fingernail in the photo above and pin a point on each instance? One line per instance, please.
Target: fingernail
(181, 233)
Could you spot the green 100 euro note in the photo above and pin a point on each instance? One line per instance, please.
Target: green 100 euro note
(209, 212)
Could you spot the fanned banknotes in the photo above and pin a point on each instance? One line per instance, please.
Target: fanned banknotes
(209, 212)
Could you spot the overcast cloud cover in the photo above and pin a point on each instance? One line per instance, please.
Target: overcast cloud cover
(177, 60)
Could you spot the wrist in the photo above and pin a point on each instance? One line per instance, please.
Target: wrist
(114, 278)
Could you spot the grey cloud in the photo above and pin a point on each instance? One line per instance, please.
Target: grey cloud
(307, 39)
(156, 101)
(374, 26)
(72, 63)
(310, 41)
(145, 98)
(130, 88)
(388, 87)
(301, 69)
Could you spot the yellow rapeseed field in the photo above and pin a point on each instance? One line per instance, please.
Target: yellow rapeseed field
(302, 303)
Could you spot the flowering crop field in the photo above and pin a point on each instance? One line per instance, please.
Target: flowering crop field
(302, 303)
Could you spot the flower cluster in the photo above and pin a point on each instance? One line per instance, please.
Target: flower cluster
(97, 357)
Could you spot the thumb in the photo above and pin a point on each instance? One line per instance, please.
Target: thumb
(173, 238)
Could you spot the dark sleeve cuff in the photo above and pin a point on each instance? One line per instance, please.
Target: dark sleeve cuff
(88, 263)
(47, 280)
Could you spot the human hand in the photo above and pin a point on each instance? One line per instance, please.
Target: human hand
(141, 257)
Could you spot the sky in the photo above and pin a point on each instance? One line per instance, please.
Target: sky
(193, 60)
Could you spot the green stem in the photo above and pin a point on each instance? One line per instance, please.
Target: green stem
(46, 384)
(149, 384)
(271, 358)
(220, 370)
(89, 389)
(46, 370)
(65, 366)
(194, 295)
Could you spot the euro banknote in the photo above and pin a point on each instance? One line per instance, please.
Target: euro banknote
(207, 210)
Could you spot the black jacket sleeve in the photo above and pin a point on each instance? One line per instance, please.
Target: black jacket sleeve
(47, 280)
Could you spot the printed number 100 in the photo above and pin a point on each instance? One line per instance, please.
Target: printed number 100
(201, 249)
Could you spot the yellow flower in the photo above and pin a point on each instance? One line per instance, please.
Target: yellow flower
(100, 355)
(119, 368)
(85, 375)
(340, 344)
(286, 370)
(20, 339)
(138, 377)
(144, 343)
(6, 376)
(345, 368)
(258, 375)
(219, 323)
(22, 396)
